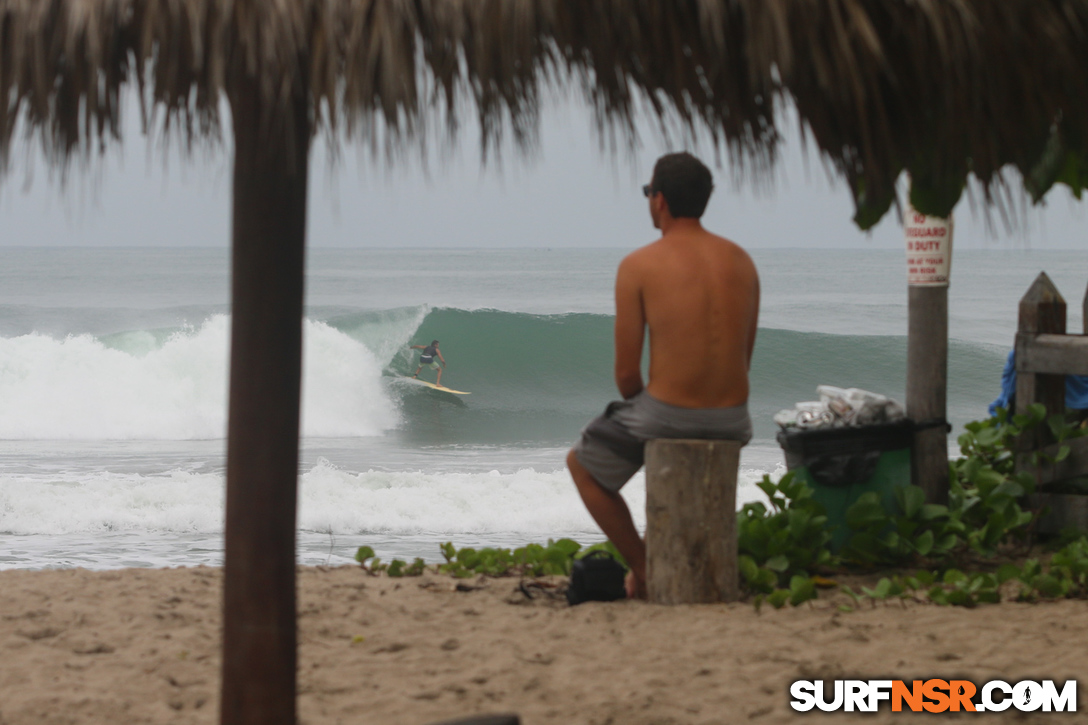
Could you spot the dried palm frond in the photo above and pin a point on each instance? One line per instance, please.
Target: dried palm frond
(940, 88)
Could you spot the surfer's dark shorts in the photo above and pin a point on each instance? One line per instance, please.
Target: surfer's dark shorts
(611, 446)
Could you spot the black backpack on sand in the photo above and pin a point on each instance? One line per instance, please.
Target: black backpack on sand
(596, 577)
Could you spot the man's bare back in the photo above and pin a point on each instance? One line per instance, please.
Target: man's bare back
(699, 296)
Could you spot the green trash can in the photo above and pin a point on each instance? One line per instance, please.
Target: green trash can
(843, 463)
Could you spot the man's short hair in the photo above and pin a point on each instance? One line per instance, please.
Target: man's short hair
(434, 342)
(686, 183)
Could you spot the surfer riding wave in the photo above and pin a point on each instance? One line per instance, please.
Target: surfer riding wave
(427, 359)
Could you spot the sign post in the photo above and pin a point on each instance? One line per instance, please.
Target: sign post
(929, 262)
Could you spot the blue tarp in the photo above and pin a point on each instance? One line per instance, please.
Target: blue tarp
(1076, 388)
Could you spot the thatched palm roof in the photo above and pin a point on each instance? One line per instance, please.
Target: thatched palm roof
(941, 88)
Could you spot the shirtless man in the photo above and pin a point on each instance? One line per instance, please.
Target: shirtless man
(699, 296)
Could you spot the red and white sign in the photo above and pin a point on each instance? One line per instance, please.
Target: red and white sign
(929, 249)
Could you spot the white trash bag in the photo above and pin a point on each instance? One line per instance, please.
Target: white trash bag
(841, 407)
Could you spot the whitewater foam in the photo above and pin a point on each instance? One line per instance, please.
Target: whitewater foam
(416, 506)
(79, 387)
(174, 501)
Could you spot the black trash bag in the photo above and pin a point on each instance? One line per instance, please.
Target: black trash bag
(843, 470)
(596, 577)
(838, 457)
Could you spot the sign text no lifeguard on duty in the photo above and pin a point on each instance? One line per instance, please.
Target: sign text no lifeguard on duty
(929, 249)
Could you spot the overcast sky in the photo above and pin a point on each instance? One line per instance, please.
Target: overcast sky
(568, 193)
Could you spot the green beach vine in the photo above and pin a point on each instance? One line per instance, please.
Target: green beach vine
(552, 559)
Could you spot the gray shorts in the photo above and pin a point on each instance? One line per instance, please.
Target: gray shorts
(611, 446)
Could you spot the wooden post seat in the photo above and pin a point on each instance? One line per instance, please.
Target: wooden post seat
(691, 521)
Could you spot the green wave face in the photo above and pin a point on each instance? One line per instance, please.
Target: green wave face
(533, 378)
(538, 379)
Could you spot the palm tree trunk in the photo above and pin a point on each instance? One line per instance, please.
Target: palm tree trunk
(269, 239)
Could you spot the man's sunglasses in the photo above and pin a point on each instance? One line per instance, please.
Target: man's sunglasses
(648, 190)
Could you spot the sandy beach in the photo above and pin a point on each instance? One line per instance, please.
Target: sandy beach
(142, 646)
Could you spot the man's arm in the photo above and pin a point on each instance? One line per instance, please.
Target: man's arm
(419, 347)
(441, 358)
(755, 326)
(630, 328)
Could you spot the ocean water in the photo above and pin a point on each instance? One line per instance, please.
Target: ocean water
(113, 384)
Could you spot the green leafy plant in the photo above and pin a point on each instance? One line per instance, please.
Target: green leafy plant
(790, 539)
(1065, 576)
(917, 531)
(366, 554)
(800, 590)
(554, 558)
(983, 511)
(401, 568)
(985, 489)
(965, 590)
(1071, 563)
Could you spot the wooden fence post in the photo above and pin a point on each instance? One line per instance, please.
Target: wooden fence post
(927, 388)
(691, 521)
(1042, 310)
(1042, 314)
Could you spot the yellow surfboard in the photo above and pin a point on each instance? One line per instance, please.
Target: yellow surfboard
(438, 387)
